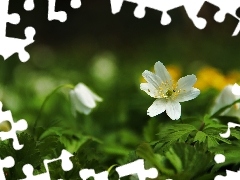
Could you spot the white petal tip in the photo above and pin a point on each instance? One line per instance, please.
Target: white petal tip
(236, 89)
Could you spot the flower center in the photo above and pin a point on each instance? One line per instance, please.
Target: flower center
(169, 93)
(168, 90)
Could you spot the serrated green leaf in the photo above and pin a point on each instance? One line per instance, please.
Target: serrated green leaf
(174, 133)
(235, 133)
(189, 157)
(174, 159)
(213, 136)
(200, 137)
(211, 142)
(145, 151)
(50, 147)
(29, 154)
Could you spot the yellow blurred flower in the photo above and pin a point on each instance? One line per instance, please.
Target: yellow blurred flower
(233, 77)
(175, 71)
(210, 77)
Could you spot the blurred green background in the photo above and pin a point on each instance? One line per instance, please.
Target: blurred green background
(109, 53)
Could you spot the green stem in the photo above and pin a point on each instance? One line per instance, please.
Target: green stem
(45, 101)
(201, 127)
(223, 109)
(181, 120)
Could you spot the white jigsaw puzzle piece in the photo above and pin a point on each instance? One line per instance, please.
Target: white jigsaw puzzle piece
(230, 175)
(7, 162)
(220, 158)
(87, 173)
(66, 166)
(9, 46)
(52, 14)
(28, 171)
(29, 5)
(61, 15)
(227, 133)
(192, 8)
(21, 125)
(137, 167)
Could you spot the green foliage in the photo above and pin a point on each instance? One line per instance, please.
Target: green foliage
(119, 132)
(174, 133)
(181, 161)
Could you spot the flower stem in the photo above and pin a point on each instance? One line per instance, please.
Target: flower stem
(181, 120)
(202, 126)
(70, 86)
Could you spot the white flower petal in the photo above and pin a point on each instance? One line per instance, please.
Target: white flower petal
(173, 110)
(188, 95)
(157, 107)
(162, 72)
(149, 89)
(152, 78)
(95, 96)
(236, 89)
(233, 111)
(186, 82)
(84, 95)
(225, 98)
(77, 105)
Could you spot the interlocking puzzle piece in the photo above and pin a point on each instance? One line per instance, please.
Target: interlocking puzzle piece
(230, 176)
(21, 125)
(230, 125)
(66, 166)
(60, 15)
(87, 173)
(220, 158)
(192, 8)
(137, 167)
(29, 5)
(9, 46)
(7, 162)
(52, 14)
(227, 7)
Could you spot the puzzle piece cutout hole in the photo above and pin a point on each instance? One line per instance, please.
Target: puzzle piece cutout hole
(66, 165)
(7, 162)
(20, 125)
(5, 126)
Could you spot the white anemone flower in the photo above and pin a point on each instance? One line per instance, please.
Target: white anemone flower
(168, 93)
(227, 96)
(83, 99)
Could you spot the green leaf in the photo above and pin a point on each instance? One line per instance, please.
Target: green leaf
(145, 151)
(200, 137)
(189, 157)
(211, 142)
(50, 147)
(235, 133)
(213, 136)
(174, 159)
(232, 156)
(29, 154)
(174, 133)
